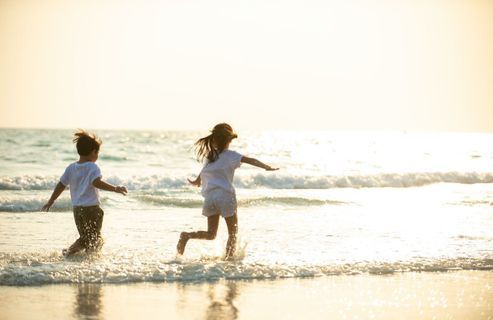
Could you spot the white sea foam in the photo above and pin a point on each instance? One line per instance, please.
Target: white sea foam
(384, 180)
(28, 182)
(278, 181)
(12, 204)
(49, 268)
(29, 203)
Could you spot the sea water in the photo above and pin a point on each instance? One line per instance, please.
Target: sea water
(341, 203)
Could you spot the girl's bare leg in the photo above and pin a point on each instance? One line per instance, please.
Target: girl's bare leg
(232, 223)
(210, 234)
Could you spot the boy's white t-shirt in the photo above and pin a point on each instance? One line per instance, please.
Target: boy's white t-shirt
(80, 176)
(220, 173)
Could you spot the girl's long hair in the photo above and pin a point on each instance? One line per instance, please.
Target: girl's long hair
(211, 146)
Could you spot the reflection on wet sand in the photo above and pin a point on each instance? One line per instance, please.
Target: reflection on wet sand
(88, 301)
(222, 307)
(408, 295)
(218, 302)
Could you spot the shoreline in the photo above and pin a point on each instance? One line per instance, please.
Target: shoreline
(410, 295)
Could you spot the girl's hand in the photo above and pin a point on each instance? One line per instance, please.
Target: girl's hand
(257, 163)
(195, 182)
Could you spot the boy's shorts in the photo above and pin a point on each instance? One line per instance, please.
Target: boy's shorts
(219, 201)
(89, 221)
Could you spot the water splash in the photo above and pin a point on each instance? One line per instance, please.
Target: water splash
(50, 267)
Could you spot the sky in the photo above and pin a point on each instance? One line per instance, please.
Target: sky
(410, 65)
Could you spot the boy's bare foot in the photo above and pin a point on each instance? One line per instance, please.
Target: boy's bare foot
(180, 247)
(65, 252)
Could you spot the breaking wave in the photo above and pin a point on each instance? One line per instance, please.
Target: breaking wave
(31, 269)
(22, 203)
(248, 202)
(273, 181)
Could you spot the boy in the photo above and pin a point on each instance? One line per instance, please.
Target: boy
(84, 179)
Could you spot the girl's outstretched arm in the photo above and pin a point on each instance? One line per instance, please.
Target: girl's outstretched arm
(195, 182)
(257, 163)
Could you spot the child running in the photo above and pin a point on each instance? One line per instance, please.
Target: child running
(84, 179)
(216, 179)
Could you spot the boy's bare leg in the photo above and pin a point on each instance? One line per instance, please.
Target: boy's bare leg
(95, 245)
(210, 234)
(232, 223)
(74, 248)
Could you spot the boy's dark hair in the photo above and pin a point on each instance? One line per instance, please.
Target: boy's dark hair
(86, 142)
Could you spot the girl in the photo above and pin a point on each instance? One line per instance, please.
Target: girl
(216, 179)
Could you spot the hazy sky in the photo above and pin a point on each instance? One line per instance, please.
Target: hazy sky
(186, 64)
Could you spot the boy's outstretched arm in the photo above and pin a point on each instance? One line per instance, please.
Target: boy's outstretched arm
(56, 193)
(257, 163)
(100, 184)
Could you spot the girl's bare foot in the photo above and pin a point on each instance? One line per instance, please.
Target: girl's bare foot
(230, 255)
(180, 247)
(228, 258)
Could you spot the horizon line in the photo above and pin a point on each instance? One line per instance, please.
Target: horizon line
(373, 130)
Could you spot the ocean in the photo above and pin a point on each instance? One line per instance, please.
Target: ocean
(342, 203)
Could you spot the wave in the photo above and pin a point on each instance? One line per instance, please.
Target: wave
(273, 181)
(170, 202)
(472, 203)
(28, 183)
(113, 158)
(31, 269)
(248, 202)
(16, 204)
(474, 238)
(30, 203)
(48, 182)
(383, 180)
(20, 203)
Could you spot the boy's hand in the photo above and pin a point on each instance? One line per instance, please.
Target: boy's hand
(47, 206)
(269, 168)
(122, 190)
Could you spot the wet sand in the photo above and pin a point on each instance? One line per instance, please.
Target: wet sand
(440, 295)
